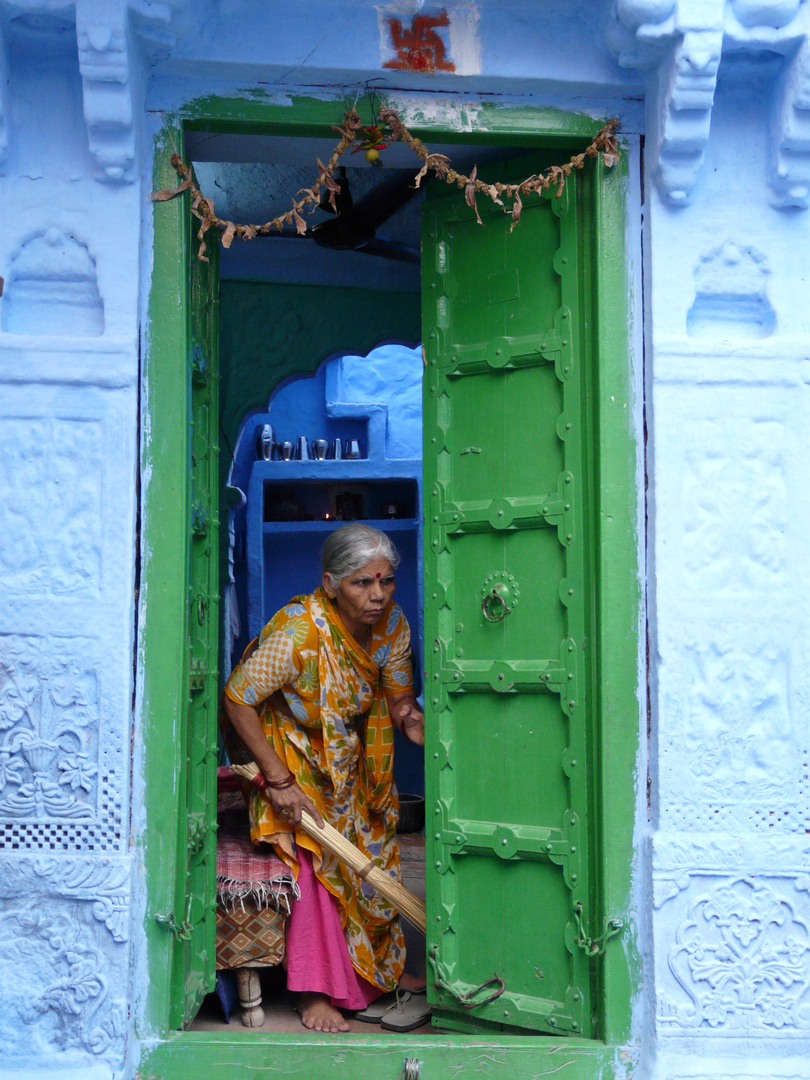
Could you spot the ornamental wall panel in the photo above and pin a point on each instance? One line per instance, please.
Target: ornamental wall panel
(64, 927)
(66, 636)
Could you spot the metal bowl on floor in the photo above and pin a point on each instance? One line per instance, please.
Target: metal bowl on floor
(411, 813)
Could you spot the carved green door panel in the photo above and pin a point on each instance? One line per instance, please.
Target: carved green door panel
(508, 615)
(194, 919)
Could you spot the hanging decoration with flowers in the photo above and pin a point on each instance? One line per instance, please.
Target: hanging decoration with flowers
(373, 140)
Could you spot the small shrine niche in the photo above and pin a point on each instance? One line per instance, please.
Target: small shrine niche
(52, 289)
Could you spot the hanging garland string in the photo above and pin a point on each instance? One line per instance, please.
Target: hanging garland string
(202, 207)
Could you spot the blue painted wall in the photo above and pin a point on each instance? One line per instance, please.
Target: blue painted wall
(718, 205)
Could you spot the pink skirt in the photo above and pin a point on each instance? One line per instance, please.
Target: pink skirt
(317, 954)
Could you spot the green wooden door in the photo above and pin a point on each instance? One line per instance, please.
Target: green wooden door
(508, 611)
(194, 927)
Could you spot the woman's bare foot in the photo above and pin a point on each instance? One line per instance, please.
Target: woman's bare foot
(318, 1013)
(412, 982)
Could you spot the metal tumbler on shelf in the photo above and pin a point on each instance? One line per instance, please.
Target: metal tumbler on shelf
(320, 449)
(264, 443)
(302, 449)
(285, 451)
(352, 451)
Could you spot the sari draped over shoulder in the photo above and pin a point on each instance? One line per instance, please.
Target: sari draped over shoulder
(322, 701)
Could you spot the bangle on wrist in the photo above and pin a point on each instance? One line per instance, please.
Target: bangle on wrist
(278, 785)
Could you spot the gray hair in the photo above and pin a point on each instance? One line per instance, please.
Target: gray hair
(349, 548)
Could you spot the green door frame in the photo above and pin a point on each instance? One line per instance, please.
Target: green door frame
(618, 605)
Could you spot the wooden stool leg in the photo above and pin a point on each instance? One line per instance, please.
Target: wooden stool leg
(250, 997)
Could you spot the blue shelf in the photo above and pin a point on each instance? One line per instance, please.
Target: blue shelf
(348, 471)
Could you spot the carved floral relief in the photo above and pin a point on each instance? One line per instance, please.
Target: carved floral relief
(736, 509)
(50, 514)
(67, 997)
(49, 720)
(741, 958)
(736, 761)
(63, 924)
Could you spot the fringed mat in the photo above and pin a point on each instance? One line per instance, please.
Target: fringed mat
(246, 872)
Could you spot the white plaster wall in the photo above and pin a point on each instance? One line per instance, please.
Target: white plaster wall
(728, 412)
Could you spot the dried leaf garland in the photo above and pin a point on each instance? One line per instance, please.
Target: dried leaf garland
(169, 193)
(300, 224)
(469, 193)
(604, 143)
(517, 206)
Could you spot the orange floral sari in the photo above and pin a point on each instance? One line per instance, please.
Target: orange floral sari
(322, 700)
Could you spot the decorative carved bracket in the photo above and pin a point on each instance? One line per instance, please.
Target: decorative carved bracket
(684, 41)
(104, 40)
(114, 38)
(108, 60)
(790, 145)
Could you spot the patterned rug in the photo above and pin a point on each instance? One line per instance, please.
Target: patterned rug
(254, 889)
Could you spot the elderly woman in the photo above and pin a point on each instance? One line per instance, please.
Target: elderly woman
(314, 705)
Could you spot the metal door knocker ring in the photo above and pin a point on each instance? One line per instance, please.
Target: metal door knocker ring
(500, 594)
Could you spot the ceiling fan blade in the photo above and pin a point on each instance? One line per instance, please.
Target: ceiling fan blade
(391, 249)
(394, 191)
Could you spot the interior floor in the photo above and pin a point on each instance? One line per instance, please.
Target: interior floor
(280, 1016)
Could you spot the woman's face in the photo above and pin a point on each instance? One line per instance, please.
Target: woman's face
(362, 596)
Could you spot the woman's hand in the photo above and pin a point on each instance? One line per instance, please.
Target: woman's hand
(409, 718)
(290, 802)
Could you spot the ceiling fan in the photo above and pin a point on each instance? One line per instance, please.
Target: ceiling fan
(354, 225)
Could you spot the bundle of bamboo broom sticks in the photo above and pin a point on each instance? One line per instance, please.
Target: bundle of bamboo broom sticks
(408, 905)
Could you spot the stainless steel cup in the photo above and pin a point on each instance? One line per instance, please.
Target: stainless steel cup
(320, 449)
(285, 451)
(302, 448)
(264, 443)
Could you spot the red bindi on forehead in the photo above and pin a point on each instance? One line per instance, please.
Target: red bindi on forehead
(379, 576)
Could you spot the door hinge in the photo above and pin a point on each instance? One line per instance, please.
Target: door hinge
(200, 373)
(199, 520)
(196, 676)
(595, 946)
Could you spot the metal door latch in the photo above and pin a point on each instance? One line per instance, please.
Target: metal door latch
(182, 931)
(500, 594)
(595, 946)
